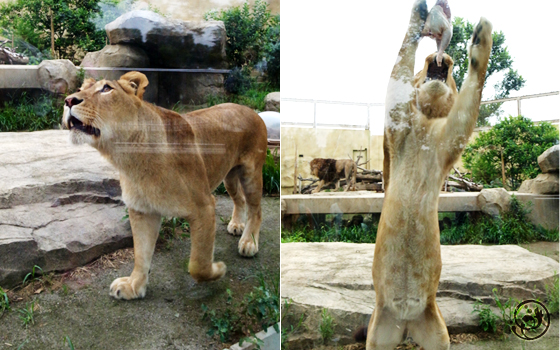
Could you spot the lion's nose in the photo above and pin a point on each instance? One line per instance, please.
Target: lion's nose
(72, 101)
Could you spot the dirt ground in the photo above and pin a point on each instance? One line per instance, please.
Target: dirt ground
(169, 317)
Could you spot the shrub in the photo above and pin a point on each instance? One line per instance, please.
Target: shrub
(246, 31)
(238, 81)
(519, 140)
(31, 114)
(272, 53)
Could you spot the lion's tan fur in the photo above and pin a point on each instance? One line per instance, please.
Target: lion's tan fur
(169, 164)
(427, 125)
(332, 170)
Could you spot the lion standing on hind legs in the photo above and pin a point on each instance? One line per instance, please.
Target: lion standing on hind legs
(169, 164)
(426, 128)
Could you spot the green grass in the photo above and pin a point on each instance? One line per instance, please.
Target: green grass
(26, 314)
(331, 234)
(288, 329)
(4, 302)
(255, 311)
(326, 327)
(253, 97)
(552, 297)
(31, 114)
(487, 318)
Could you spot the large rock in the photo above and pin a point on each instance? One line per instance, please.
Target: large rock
(272, 102)
(548, 161)
(337, 277)
(542, 184)
(58, 76)
(171, 43)
(117, 56)
(59, 237)
(494, 201)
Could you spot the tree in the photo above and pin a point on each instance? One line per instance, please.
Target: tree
(500, 61)
(516, 140)
(64, 25)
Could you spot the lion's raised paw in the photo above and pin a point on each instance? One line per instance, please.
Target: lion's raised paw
(122, 288)
(235, 228)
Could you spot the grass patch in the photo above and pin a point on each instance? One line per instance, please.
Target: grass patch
(331, 234)
(552, 297)
(288, 329)
(242, 319)
(326, 327)
(252, 97)
(26, 314)
(31, 114)
(4, 302)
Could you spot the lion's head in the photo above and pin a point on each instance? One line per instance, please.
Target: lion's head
(435, 86)
(91, 114)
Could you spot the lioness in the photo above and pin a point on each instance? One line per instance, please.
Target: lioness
(169, 164)
(332, 170)
(426, 128)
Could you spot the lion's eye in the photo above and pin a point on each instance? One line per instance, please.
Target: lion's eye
(106, 88)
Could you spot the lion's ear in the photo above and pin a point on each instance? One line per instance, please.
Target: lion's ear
(87, 83)
(137, 81)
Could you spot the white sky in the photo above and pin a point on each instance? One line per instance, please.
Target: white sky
(345, 51)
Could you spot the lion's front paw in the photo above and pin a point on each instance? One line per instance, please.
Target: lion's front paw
(481, 42)
(126, 288)
(217, 271)
(248, 247)
(235, 228)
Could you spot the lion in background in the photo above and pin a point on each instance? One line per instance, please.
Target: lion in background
(332, 170)
(169, 164)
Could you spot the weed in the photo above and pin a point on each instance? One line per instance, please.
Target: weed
(507, 309)
(126, 216)
(32, 276)
(4, 302)
(552, 301)
(326, 327)
(26, 314)
(332, 234)
(285, 331)
(225, 220)
(223, 325)
(271, 173)
(22, 344)
(487, 318)
(30, 114)
(67, 340)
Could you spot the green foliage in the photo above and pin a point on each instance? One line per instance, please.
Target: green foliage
(519, 140)
(507, 309)
(26, 314)
(271, 173)
(31, 114)
(272, 52)
(331, 234)
(4, 302)
(247, 31)
(513, 227)
(487, 318)
(500, 62)
(552, 297)
(252, 98)
(259, 309)
(67, 340)
(72, 22)
(238, 81)
(32, 276)
(287, 330)
(326, 327)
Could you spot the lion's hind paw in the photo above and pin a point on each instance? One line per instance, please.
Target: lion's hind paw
(248, 247)
(123, 288)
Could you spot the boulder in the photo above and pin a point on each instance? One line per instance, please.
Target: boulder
(272, 102)
(548, 161)
(58, 76)
(117, 56)
(171, 43)
(542, 184)
(493, 201)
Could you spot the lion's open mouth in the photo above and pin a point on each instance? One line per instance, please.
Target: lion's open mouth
(75, 123)
(437, 73)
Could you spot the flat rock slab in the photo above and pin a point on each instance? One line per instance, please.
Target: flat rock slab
(337, 276)
(41, 166)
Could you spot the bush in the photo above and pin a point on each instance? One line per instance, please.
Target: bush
(31, 114)
(238, 81)
(246, 31)
(519, 140)
(272, 53)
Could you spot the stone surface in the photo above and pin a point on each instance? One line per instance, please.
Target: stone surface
(542, 184)
(59, 204)
(117, 56)
(171, 43)
(337, 276)
(272, 102)
(548, 161)
(42, 166)
(58, 76)
(58, 238)
(493, 201)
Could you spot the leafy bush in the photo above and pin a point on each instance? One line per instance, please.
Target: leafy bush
(252, 98)
(271, 173)
(512, 227)
(238, 81)
(246, 31)
(272, 52)
(331, 234)
(326, 327)
(31, 114)
(486, 317)
(519, 140)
